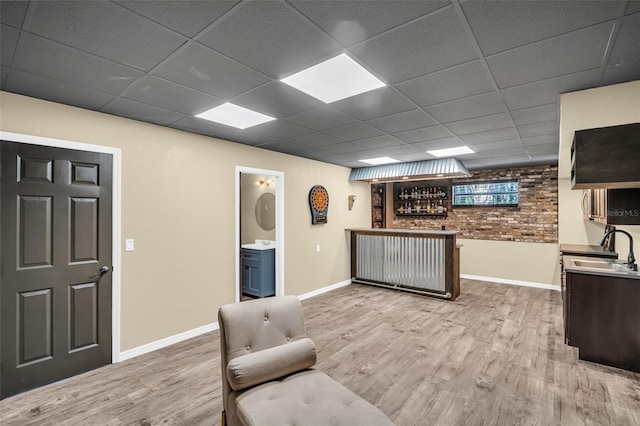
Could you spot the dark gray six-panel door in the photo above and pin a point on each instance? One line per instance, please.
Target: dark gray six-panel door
(56, 261)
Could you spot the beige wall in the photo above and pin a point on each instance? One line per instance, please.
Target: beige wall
(600, 107)
(178, 197)
(510, 260)
(250, 192)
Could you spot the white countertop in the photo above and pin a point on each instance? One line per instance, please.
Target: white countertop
(257, 247)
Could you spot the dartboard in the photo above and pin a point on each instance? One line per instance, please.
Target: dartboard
(319, 203)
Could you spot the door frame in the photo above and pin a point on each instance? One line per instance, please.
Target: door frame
(279, 186)
(116, 215)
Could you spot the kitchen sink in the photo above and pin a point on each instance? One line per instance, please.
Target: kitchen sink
(594, 264)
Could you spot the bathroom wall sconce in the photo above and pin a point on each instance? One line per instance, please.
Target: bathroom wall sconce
(352, 199)
(264, 182)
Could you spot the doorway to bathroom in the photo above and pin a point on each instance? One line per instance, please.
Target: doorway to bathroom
(259, 233)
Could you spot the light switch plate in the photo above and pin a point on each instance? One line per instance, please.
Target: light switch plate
(128, 245)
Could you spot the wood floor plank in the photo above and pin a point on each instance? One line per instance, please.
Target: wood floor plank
(494, 356)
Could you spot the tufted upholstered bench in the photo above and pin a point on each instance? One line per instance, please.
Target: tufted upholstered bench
(267, 378)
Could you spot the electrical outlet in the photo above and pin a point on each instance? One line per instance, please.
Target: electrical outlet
(317, 248)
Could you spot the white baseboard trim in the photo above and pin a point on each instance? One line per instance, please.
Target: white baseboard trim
(180, 337)
(324, 289)
(512, 282)
(167, 341)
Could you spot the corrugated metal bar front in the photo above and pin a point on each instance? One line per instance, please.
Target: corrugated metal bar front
(416, 262)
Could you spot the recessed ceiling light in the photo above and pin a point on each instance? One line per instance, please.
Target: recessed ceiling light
(334, 79)
(234, 116)
(448, 152)
(379, 160)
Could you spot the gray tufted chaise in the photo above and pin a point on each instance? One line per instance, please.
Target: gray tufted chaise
(266, 375)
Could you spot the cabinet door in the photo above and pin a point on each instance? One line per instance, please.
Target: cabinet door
(251, 281)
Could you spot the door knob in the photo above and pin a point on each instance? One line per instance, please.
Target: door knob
(101, 272)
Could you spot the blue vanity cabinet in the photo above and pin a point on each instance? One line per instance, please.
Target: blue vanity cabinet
(259, 272)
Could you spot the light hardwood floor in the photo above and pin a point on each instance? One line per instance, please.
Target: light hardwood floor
(495, 356)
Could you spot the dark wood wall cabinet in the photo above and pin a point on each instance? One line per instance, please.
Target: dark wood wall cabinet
(606, 157)
(612, 206)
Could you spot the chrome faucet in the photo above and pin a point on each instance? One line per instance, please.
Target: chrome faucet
(631, 260)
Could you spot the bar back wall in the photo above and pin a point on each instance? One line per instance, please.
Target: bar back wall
(534, 220)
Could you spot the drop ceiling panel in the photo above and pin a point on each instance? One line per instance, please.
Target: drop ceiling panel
(632, 7)
(473, 106)
(439, 143)
(424, 134)
(165, 94)
(530, 21)
(9, 40)
(379, 142)
(394, 150)
(350, 22)
(497, 162)
(627, 45)
(374, 104)
(277, 100)
(172, 14)
(490, 136)
(506, 152)
(439, 39)
(548, 149)
(550, 139)
(535, 114)
(279, 42)
(481, 124)
(353, 132)
(403, 121)
(252, 139)
(279, 129)
(539, 129)
(59, 62)
(491, 146)
(313, 153)
(570, 53)
(343, 148)
(141, 111)
(107, 30)
(313, 140)
(547, 91)
(454, 83)
(321, 118)
(13, 12)
(204, 127)
(620, 73)
(285, 147)
(210, 72)
(51, 90)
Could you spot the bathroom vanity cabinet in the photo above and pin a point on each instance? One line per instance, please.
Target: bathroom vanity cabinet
(258, 272)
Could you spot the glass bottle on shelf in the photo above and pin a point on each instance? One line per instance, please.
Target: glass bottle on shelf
(440, 207)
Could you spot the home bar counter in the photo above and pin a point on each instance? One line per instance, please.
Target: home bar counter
(424, 262)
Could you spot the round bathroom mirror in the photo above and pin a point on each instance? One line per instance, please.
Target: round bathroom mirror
(266, 211)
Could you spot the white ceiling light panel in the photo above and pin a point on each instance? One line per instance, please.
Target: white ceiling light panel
(449, 152)
(234, 116)
(337, 78)
(379, 160)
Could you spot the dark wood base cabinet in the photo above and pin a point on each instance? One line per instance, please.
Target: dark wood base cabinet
(603, 319)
